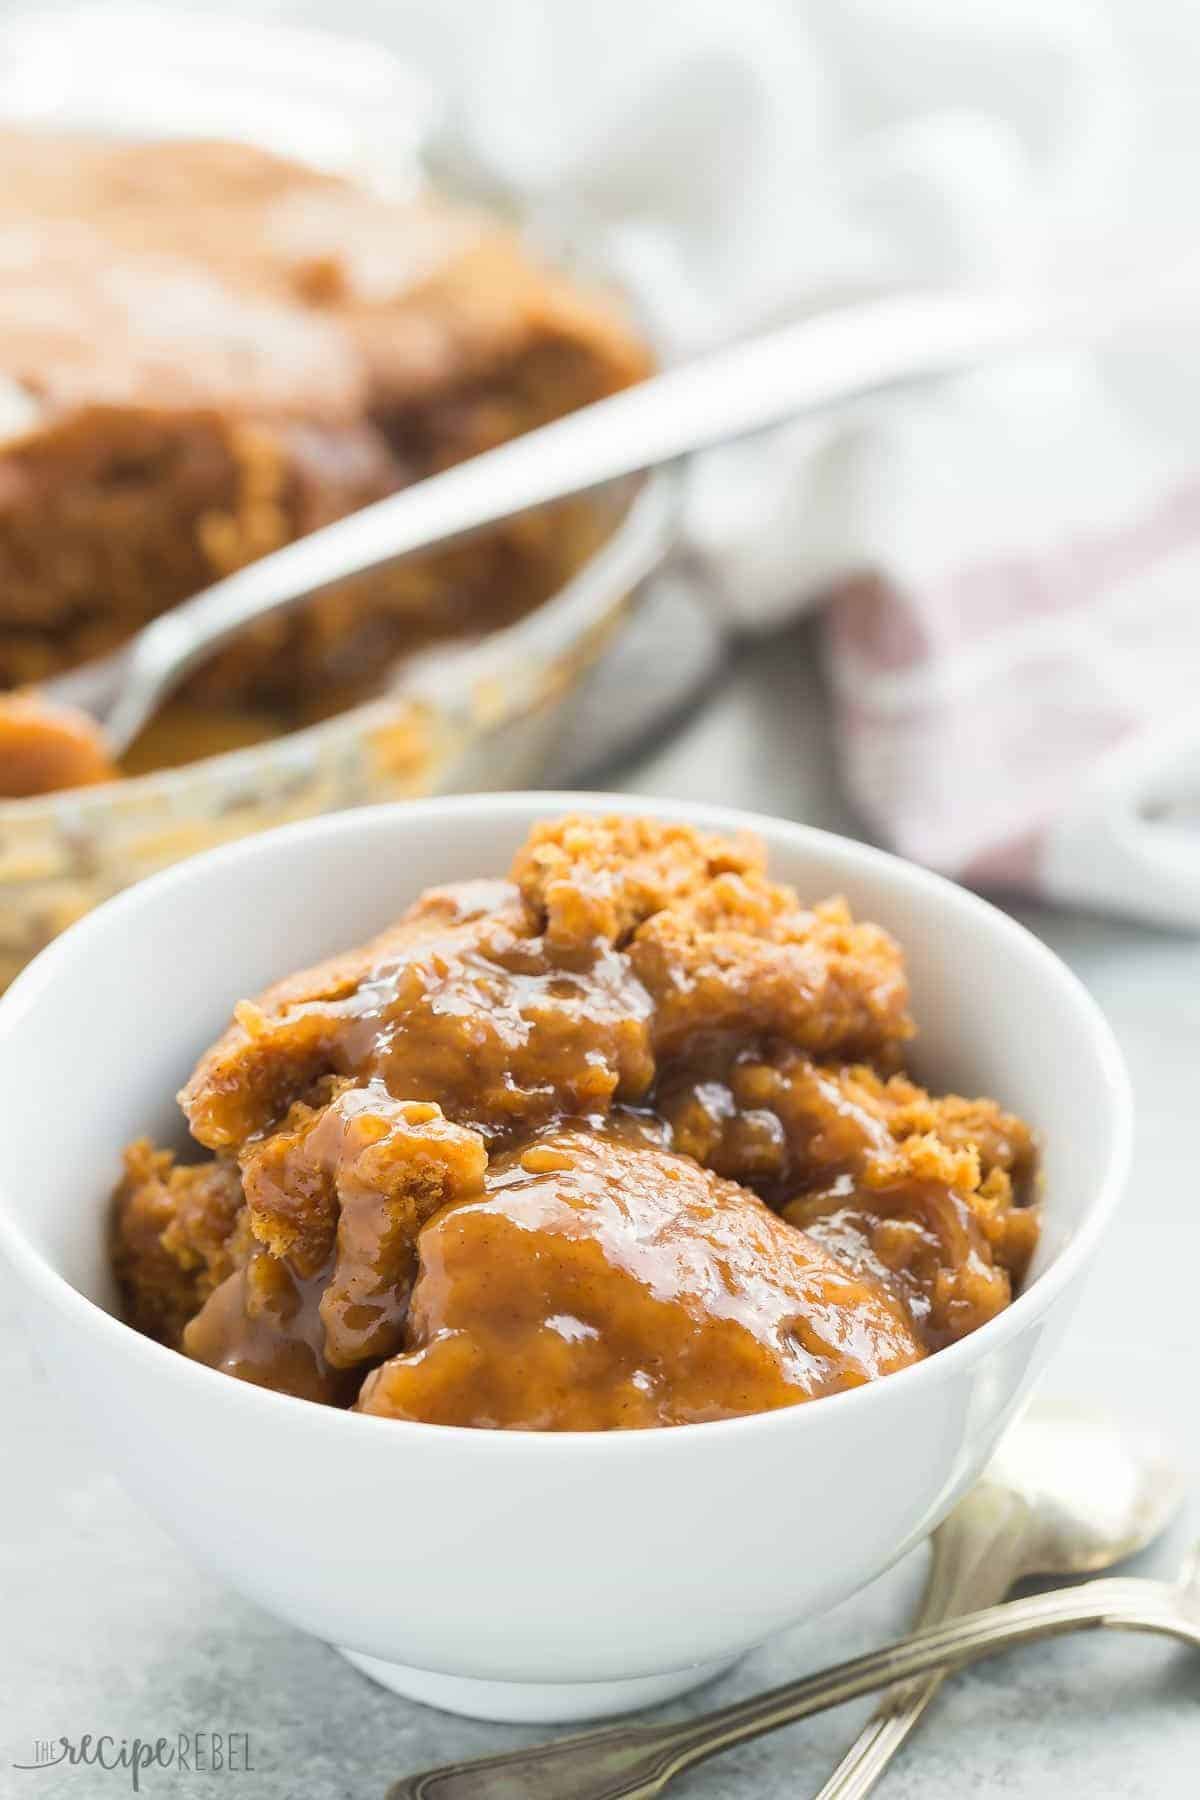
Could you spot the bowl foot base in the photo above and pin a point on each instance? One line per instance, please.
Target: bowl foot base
(534, 1702)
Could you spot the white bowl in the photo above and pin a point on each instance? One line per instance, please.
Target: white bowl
(519, 1575)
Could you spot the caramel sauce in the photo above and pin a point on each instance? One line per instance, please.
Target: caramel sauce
(601, 1285)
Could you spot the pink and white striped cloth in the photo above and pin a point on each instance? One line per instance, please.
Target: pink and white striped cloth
(1031, 720)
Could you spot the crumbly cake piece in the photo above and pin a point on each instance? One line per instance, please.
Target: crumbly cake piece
(507, 1017)
(335, 1200)
(178, 1232)
(931, 1193)
(349, 1185)
(596, 880)
(742, 955)
(454, 1005)
(922, 1221)
(774, 1115)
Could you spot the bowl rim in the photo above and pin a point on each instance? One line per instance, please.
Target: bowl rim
(42, 1279)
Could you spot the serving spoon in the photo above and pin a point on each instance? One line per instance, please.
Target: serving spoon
(802, 367)
(1067, 1493)
(1079, 1497)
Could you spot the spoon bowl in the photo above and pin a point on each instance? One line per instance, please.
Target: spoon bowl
(1097, 1493)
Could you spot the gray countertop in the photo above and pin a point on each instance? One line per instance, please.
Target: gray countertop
(108, 1627)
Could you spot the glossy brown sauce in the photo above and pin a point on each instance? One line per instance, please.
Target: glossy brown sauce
(621, 1141)
(601, 1284)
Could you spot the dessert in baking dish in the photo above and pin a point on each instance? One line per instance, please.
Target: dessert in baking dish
(207, 351)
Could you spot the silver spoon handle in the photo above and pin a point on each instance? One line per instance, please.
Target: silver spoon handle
(1126, 1603)
(634, 1762)
(978, 1554)
(714, 399)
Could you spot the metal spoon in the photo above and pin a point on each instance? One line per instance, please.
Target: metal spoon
(1067, 1493)
(1093, 1499)
(714, 399)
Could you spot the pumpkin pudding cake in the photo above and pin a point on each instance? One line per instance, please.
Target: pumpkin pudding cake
(622, 1140)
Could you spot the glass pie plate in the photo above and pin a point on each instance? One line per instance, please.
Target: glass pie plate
(455, 719)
